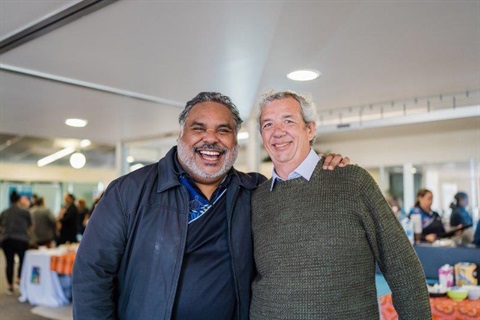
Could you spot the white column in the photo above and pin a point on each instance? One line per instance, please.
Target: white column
(473, 199)
(383, 179)
(441, 201)
(408, 187)
(121, 165)
(253, 146)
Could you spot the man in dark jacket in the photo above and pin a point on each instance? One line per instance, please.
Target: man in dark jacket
(67, 219)
(173, 240)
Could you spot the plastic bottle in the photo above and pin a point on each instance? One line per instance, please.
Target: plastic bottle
(408, 227)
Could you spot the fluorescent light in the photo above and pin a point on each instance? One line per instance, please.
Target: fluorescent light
(77, 160)
(78, 123)
(55, 156)
(62, 153)
(242, 135)
(303, 75)
(85, 143)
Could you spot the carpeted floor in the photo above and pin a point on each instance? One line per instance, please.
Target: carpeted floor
(12, 309)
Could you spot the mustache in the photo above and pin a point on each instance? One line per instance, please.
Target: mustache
(209, 146)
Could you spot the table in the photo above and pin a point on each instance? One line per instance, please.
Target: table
(432, 258)
(443, 308)
(40, 285)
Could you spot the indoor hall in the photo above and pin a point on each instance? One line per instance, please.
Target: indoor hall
(397, 90)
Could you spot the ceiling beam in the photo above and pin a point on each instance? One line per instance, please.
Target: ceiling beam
(52, 22)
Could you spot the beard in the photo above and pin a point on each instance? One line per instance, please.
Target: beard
(187, 155)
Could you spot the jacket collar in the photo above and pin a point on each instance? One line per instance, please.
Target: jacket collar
(168, 174)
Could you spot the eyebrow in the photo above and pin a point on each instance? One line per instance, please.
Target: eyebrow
(202, 124)
(286, 116)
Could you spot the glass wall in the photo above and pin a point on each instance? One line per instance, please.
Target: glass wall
(52, 192)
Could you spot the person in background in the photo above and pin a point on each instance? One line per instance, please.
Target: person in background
(24, 202)
(396, 208)
(432, 224)
(89, 214)
(461, 218)
(67, 221)
(33, 200)
(317, 234)
(82, 212)
(15, 224)
(172, 240)
(44, 230)
(476, 236)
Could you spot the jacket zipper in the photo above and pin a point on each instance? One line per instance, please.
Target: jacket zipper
(237, 293)
(179, 269)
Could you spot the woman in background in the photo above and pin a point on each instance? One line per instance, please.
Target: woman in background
(431, 221)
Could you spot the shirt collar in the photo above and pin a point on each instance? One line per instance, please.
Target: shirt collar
(305, 169)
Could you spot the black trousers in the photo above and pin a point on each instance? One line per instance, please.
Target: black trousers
(10, 248)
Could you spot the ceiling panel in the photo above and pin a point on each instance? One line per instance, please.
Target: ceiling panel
(368, 52)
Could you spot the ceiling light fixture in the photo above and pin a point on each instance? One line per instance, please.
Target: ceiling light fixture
(303, 75)
(55, 156)
(77, 123)
(77, 160)
(85, 143)
(63, 153)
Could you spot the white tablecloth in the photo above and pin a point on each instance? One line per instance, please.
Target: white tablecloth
(39, 285)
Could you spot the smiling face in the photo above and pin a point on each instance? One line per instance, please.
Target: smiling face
(207, 146)
(285, 135)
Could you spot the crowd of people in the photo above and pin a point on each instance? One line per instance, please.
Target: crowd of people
(29, 223)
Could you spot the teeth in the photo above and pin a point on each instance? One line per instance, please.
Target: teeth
(210, 153)
(281, 145)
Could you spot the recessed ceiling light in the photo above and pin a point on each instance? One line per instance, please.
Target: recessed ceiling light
(303, 75)
(78, 123)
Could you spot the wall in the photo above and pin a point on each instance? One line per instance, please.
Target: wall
(29, 173)
(441, 147)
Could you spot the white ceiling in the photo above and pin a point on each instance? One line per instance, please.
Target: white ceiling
(168, 51)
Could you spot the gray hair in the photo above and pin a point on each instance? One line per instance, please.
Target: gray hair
(215, 97)
(308, 108)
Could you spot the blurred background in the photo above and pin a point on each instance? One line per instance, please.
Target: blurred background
(397, 88)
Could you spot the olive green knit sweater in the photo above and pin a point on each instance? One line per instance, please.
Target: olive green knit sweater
(316, 244)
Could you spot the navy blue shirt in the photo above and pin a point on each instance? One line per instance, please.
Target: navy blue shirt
(206, 288)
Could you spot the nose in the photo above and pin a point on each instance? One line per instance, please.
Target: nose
(278, 130)
(210, 135)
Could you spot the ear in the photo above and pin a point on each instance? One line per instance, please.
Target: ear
(311, 127)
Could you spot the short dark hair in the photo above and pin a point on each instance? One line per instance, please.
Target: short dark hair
(14, 196)
(460, 195)
(215, 97)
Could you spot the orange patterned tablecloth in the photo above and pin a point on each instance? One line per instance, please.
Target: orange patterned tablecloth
(63, 264)
(443, 308)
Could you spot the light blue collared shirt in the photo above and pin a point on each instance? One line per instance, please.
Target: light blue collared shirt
(305, 169)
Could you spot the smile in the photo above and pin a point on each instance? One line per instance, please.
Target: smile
(281, 145)
(210, 155)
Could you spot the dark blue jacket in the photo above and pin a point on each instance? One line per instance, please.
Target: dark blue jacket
(129, 260)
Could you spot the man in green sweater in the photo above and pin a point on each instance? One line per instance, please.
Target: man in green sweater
(318, 234)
